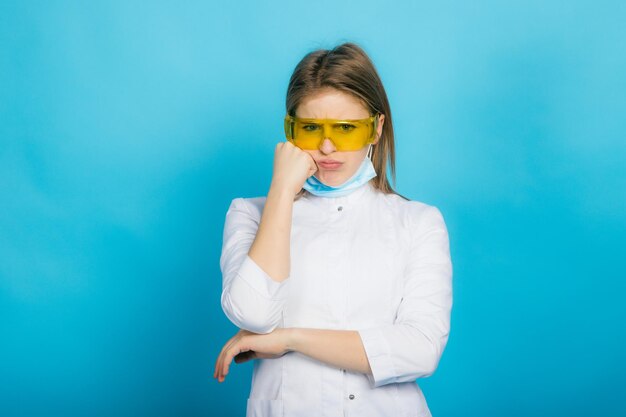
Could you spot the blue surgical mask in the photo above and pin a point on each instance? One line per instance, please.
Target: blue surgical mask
(363, 174)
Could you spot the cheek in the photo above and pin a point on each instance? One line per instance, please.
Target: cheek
(358, 157)
(355, 160)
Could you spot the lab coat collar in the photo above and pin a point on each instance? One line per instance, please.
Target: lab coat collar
(357, 196)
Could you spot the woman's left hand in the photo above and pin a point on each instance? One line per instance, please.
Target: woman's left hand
(245, 346)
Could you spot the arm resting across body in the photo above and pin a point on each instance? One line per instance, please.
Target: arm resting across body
(340, 348)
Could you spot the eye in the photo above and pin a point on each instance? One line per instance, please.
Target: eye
(310, 127)
(345, 127)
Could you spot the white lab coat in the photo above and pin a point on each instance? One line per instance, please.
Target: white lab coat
(367, 261)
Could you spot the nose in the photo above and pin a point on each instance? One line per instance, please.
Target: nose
(327, 146)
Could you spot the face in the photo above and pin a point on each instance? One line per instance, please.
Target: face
(335, 167)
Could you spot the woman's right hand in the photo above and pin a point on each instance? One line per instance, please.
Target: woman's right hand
(292, 166)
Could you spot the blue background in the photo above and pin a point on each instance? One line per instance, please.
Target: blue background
(126, 128)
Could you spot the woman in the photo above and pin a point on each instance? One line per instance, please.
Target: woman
(341, 288)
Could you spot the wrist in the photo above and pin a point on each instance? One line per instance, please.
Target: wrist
(291, 339)
(281, 191)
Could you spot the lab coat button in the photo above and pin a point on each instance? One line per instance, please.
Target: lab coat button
(339, 208)
(351, 396)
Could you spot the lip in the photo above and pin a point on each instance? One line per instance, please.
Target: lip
(329, 163)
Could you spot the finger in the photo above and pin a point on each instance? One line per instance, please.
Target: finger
(312, 164)
(228, 358)
(226, 364)
(220, 357)
(225, 359)
(219, 367)
(218, 363)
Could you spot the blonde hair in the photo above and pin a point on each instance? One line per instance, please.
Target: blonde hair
(347, 68)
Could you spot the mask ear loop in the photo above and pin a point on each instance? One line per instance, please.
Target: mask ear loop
(370, 150)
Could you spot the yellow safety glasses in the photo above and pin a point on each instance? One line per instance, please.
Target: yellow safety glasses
(346, 135)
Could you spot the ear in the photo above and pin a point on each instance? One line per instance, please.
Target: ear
(379, 129)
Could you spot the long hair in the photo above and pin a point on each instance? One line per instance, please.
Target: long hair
(347, 68)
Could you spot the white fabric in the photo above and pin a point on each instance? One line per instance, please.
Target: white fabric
(367, 261)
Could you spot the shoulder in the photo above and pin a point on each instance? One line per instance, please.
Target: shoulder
(247, 206)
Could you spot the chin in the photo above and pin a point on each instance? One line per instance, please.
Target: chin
(332, 179)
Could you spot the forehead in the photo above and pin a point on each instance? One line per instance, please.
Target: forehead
(332, 104)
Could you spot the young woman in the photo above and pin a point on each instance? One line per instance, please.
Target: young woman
(341, 287)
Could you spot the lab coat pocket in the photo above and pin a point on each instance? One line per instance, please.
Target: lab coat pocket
(264, 408)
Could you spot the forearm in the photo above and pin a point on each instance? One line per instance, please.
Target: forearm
(339, 348)
(271, 246)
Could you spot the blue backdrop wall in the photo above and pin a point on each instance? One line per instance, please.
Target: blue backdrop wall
(126, 128)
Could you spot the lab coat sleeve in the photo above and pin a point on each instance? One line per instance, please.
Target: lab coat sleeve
(411, 347)
(251, 299)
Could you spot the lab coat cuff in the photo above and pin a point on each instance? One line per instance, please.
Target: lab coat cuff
(262, 283)
(379, 357)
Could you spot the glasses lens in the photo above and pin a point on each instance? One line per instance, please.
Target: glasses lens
(307, 134)
(346, 135)
(350, 135)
